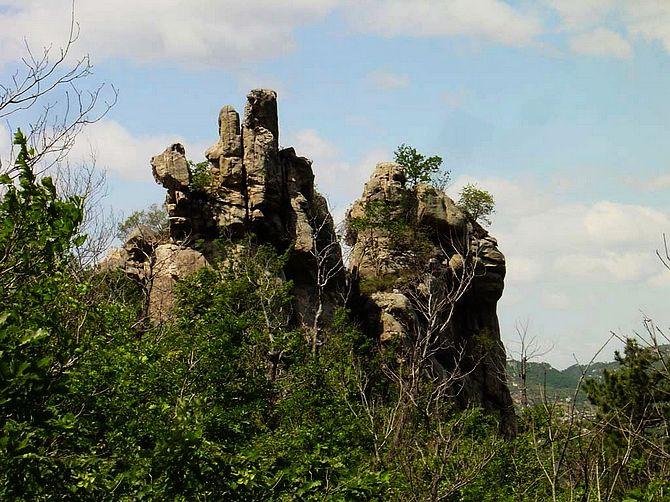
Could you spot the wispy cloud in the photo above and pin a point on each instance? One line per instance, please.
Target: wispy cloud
(123, 154)
(492, 20)
(338, 178)
(387, 80)
(185, 32)
(602, 42)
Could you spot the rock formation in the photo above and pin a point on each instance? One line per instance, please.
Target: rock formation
(444, 289)
(248, 187)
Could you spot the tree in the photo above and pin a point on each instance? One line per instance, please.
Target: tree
(40, 301)
(637, 393)
(529, 349)
(49, 81)
(478, 202)
(421, 169)
(153, 218)
(201, 175)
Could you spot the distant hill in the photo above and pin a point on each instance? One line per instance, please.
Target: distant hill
(544, 379)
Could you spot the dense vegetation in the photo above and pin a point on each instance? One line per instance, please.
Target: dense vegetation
(226, 401)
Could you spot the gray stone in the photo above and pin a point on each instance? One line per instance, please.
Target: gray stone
(170, 263)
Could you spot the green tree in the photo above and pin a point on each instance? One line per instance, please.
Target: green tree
(154, 218)
(638, 390)
(478, 202)
(421, 169)
(37, 341)
(201, 175)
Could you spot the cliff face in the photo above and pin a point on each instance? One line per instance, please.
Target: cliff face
(438, 292)
(248, 187)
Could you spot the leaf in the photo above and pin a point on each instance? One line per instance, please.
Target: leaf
(79, 240)
(33, 336)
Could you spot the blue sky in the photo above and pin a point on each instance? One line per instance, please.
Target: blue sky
(559, 107)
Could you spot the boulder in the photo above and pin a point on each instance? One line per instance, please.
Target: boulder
(170, 263)
(170, 168)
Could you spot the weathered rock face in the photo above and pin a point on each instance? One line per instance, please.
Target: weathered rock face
(228, 174)
(247, 186)
(169, 264)
(455, 280)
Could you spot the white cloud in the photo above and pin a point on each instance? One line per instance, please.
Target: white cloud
(556, 301)
(5, 147)
(612, 223)
(581, 13)
(492, 20)
(649, 20)
(309, 143)
(554, 241)
(603, 43)
(198, 33)
(387, 80)
(660, 182)
(523, 268)
(606, 266)
(578, 270)
(188, 32)
(124, 154)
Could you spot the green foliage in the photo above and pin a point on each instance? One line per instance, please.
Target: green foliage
(154, 218)
(393, 221)
(40, 301)
(228, 402)
(638, 389)
(37, 228)
(371, 285)
(201, 176)
(478, 202)
(421, 169)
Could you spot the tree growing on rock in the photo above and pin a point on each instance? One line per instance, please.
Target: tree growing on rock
(153, 218)
(421, 169)
(478, 202)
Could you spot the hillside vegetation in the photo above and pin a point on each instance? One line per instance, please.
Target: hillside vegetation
(227, 401)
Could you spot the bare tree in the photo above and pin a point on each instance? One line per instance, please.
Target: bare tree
(433, 296)
(529, 349)
(428, 371)
(50, 95)
(99, 222)
(328, 264)
(553, 444)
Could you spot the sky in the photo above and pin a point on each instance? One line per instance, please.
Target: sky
(558, 107)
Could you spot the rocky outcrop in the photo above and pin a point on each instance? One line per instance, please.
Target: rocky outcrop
(248, 190)
(442, 287)
(228, 177)
(247, 186)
